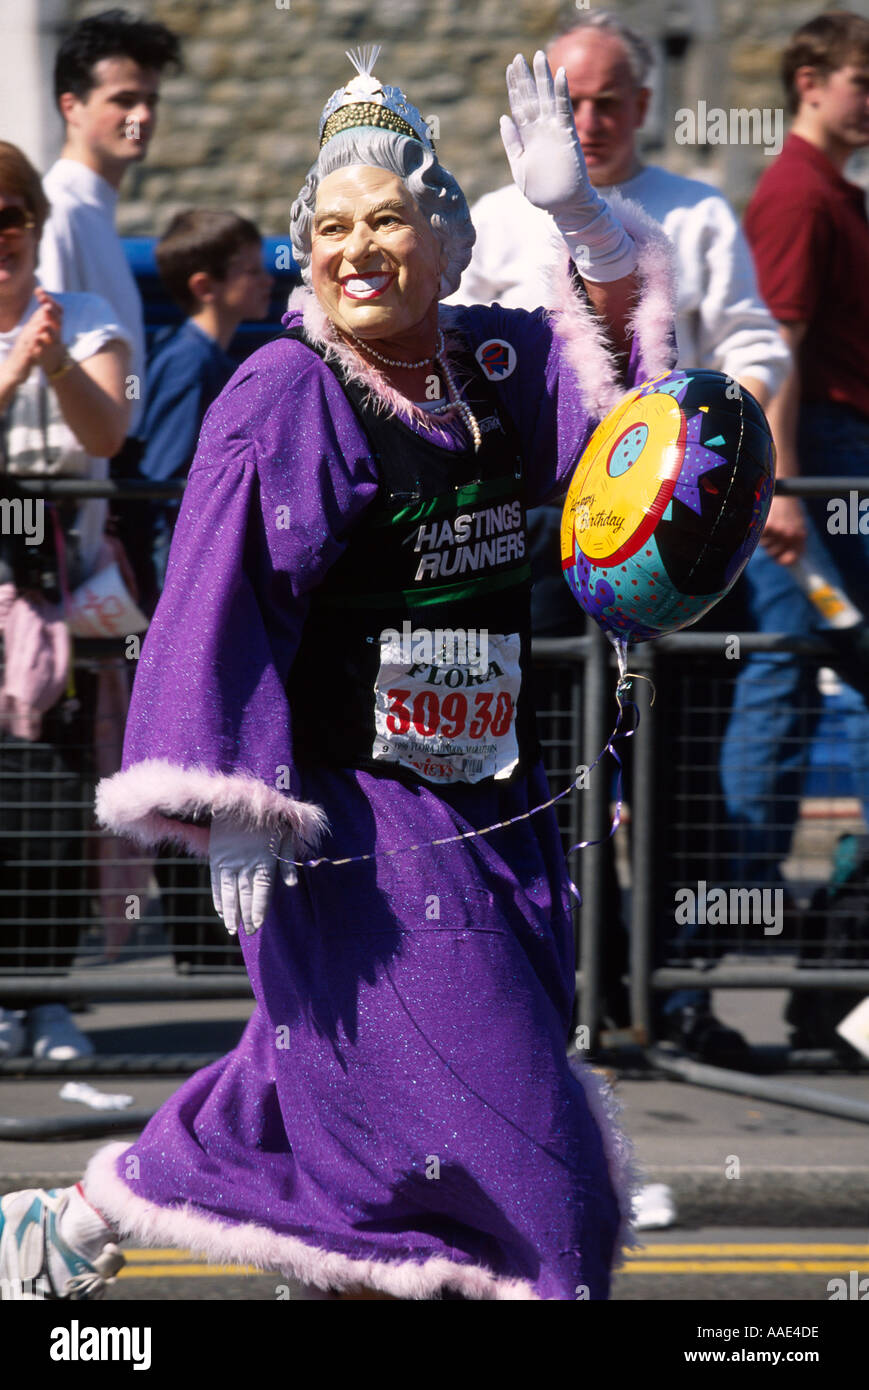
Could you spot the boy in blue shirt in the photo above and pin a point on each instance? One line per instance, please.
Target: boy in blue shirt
(211, 264)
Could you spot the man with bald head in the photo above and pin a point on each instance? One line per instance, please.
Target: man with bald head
(721, 323)
(606, 67)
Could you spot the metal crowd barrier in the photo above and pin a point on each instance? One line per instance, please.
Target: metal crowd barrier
(80, 930)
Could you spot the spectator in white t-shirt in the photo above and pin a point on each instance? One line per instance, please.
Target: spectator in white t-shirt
(63, 411)
(721, 324)
(106, 84)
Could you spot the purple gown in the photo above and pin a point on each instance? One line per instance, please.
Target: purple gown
(400, 1112)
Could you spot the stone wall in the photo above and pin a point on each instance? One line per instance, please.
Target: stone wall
(238, 127)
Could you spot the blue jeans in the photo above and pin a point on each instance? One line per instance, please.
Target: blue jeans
(776, 704)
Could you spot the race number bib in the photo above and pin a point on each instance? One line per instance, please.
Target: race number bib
(450, 720)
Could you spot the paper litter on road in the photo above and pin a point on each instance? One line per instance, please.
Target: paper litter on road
(97, 1100)
(854, 1027)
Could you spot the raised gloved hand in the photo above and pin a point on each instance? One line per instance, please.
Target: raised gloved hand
(548, 166)
(542, 145)
(243, 871)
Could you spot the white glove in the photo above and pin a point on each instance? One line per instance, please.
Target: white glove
(548, 166)
(243, 871)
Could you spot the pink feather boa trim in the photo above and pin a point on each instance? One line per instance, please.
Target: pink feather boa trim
(588, 348)
(186, 1228)
(381, 395)
(145, 801)
(246, 1243)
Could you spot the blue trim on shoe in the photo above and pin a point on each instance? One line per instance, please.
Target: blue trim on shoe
(76, 1264)
(32, 1217)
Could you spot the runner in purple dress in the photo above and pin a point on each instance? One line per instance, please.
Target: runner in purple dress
(339, 666)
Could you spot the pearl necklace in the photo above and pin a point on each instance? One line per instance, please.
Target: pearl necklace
(467, 415)
(390, 361)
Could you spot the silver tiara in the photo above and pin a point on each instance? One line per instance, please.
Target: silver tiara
(365, 101)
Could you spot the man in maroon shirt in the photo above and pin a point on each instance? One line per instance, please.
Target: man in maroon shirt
(810, 238)
(809, 233)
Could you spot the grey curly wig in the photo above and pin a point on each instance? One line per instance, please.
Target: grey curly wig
(438, 195)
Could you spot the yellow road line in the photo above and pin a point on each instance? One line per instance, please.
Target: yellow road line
(662, 1250)
(735, 1267)
(654, 1252)
(184, 1271)
(157, 1256)
(151, 1264)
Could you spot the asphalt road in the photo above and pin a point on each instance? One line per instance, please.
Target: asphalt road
(716, 1264)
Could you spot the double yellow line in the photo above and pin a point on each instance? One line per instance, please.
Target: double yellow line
(779, 1258)
(176, 1264)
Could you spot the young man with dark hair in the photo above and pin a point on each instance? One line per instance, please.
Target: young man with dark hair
(106, 84)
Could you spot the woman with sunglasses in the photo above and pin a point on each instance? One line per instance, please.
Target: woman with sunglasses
(63, 412)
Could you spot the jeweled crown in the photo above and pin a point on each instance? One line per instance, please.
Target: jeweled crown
(365, 101)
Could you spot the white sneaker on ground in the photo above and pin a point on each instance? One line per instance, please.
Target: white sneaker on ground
(36, 1262)
(12, 1034)
(51, 1033)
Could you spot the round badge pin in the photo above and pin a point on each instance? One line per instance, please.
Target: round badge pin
(497, 358)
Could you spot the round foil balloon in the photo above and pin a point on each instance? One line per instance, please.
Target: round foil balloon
(667, 503)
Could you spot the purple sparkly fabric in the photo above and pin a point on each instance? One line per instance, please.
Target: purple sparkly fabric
(401, 1093)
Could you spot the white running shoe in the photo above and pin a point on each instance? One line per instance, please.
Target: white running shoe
(12, 1034)
(51, 1033)
(37, 1263)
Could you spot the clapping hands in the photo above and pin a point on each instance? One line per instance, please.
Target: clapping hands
(39, 344)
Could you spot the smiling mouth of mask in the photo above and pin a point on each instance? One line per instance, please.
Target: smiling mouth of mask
(367, 286)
